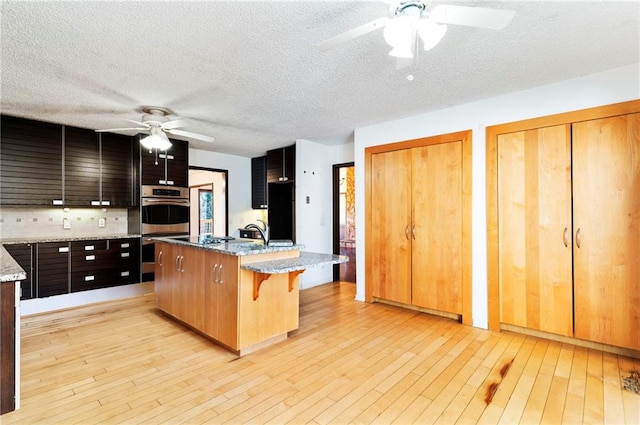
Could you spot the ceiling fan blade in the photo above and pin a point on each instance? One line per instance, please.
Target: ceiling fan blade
(191, 135)
(480, 17)
(352, 34)
(178, 122)
(121, 129)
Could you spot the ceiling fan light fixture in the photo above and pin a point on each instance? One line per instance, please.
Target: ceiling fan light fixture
(398, 31)
(402, 52)
(430, 33)
(156, 140)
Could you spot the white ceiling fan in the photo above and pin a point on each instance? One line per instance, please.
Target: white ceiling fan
(157, 123)
(413, 20)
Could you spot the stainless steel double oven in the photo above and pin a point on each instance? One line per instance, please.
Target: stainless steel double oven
(165, 212)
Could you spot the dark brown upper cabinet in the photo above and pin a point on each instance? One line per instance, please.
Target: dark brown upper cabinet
(30, 162)
(281, 164)
(49, 164)
(259, 183)
(170, 168)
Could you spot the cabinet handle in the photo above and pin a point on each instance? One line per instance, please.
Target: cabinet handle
(170, 182)
(214, 269)
(406, 231)
(578, 237)
(105, 203)
(89, 278)
(160, 258)
(89, 257)
(124, 255)
(58, 202)
(564, 237)
(220, 274)
(95, 203)
(89, 247)
(63, 249)
(124, 274)
(413, 231)
(181, 264)
(177, 262)
(124, 245)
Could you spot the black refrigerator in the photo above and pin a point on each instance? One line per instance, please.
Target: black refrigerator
(282, 211)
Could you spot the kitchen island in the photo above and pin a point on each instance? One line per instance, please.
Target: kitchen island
(242, 294)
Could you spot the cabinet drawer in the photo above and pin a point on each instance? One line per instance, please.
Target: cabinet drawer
(86, 280)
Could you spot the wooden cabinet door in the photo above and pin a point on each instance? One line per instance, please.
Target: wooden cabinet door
(390, 239)
(606, 190)
(228, 300)
(534, 229)
(190, 281)
(211, 297)
(436, 252)
(161, 286)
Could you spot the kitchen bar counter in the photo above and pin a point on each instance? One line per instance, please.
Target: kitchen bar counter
(303, 262)
(10, 271)
(237, 247)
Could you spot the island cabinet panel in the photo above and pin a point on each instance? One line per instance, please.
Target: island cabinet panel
(170, 168)
(53, 263)
(275, 310)
(30, 162)
(23, 254)
(221, 298)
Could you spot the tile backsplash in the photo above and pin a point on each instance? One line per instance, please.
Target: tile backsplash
(49, 222)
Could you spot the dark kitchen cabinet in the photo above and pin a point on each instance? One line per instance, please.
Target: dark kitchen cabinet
(23, 254)
(81, 167)
(98, 168)
(104, 263)
(259, 183)
(281, 164)
(30, 162)
(170, 168)
(44, 164)
(52, 265)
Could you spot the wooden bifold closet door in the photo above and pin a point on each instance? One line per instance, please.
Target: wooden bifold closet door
(569, 229)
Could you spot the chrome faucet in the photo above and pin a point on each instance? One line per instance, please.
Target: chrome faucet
(264, 233)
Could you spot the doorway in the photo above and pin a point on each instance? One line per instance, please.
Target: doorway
(344, 220)
(209, 201)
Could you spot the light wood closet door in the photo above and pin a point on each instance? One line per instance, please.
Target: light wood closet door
(606, 179)
(437, 227)
(391, 209)
(534, 229)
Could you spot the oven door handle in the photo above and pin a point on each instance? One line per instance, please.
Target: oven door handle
(179, 202)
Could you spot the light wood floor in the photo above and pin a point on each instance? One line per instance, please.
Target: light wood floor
(350, 362)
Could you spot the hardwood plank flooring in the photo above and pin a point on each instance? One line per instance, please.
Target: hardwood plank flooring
(124, 362)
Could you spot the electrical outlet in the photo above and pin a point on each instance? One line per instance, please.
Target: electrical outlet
(102, 222)
(66, 223)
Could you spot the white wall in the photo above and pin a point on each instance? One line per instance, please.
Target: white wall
(238, 185)
(604, 88)
(314, 219)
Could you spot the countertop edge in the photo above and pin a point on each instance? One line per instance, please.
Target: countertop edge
(242, 247)
(14, 241)
(10, 271)
(305, 261)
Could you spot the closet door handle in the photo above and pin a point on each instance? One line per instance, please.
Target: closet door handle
(177, 262)
(413, 231)
(215, 273)
(160, 258)
(181, 264)
(406, 231)
(564, 237)
(578, 237)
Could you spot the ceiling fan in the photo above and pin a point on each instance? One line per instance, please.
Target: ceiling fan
(157, 123)
(412, 20)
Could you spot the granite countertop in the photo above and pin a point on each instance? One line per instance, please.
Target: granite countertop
(303, 262)
(10, 271)
(9, 241)
(234, 246)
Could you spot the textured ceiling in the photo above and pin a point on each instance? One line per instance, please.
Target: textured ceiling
(249, 73)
